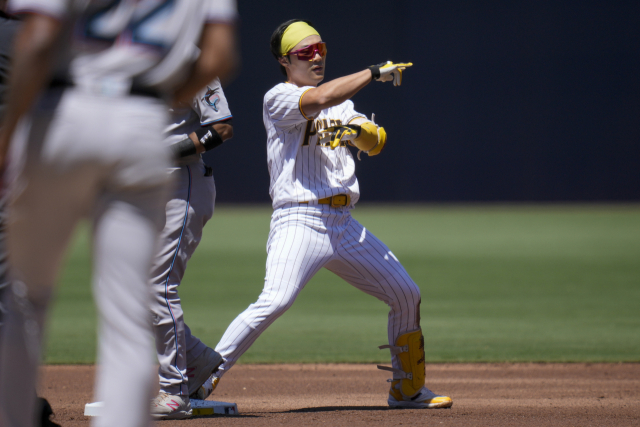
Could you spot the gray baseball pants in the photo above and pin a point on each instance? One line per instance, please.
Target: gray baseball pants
(99, 158)
(188, 210)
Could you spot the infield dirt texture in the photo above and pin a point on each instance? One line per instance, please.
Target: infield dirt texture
(554, 283)
(354, 395)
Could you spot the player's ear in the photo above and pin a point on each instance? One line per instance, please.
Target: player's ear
(284, 60)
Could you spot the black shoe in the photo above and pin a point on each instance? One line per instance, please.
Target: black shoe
(45, 413)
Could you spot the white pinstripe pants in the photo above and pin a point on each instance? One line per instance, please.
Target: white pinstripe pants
(302, 240)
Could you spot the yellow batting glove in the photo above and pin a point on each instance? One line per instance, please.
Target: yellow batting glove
(389, 72)
(367, 139)
(334, 134)
(382, 140)
(372, 138)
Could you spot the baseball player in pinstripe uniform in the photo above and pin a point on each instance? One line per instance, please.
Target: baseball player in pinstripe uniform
(185, 362)
(85, 117)
(313, 188)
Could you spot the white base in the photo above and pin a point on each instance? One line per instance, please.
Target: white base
(199, 407)
(210, 407)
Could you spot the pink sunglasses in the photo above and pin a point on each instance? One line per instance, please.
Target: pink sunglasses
(309, 52)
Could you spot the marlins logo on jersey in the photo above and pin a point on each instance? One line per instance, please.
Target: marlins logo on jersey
(212, 98)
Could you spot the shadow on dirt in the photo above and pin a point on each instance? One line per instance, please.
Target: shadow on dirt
(339, 408)
(199, 417)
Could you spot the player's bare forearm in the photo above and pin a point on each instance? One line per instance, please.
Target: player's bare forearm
(203, 140)
(334, 92)
(218, 58)
(225, 130)
(30, 71)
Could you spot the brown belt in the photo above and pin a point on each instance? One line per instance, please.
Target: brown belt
(336, 201)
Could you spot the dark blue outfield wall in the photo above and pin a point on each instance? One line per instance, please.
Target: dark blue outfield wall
(507, 100)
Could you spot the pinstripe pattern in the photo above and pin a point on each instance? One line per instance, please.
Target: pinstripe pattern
(304, 239)
(301, 169)
(307, 237)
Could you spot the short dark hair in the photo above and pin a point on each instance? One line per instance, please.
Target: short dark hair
(276, 40)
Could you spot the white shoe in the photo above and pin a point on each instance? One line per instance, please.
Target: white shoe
(206, 389)
(201, 368)
(424, 399)
(171, 407)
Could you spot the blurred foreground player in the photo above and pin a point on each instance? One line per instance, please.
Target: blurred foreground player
(89, 147)
(185, 362)
(8, 28)
(313, 188)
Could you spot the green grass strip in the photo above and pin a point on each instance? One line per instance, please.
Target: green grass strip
(548, 283)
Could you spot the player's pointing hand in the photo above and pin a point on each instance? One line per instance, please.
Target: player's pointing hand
(388, 71)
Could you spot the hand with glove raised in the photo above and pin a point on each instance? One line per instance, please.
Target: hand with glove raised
(389, 72)
(334, 134)
(367, 136)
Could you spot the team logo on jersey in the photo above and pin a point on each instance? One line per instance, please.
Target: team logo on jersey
(212, 98)
(315, 128)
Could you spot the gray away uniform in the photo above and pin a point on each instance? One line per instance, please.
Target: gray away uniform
(91, 148)
(189, 209)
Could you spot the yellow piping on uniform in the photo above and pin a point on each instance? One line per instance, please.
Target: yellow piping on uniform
(300, 104)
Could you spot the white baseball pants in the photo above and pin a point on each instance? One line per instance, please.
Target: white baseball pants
(188, 210)
(302, 240)
(98, 158)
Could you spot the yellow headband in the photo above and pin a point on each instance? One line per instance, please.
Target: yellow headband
(294, 34)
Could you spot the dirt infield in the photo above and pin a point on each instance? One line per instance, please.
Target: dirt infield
(355, 395)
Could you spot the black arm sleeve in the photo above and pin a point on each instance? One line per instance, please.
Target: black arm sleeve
(208, 136)
(183, 148)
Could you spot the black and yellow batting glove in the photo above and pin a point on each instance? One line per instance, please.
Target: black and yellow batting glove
(367, 137)
(389, 72)
(334, 134)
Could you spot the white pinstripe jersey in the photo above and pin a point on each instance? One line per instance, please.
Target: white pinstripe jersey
(106, 44)
(301, 169)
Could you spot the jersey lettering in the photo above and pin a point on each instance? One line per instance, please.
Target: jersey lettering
(322, 124)
(300, 170)
(309, 132)
(315, 126)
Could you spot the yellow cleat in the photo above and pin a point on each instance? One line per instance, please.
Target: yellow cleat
(205, 389)
(425, 399)
(407, 386)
